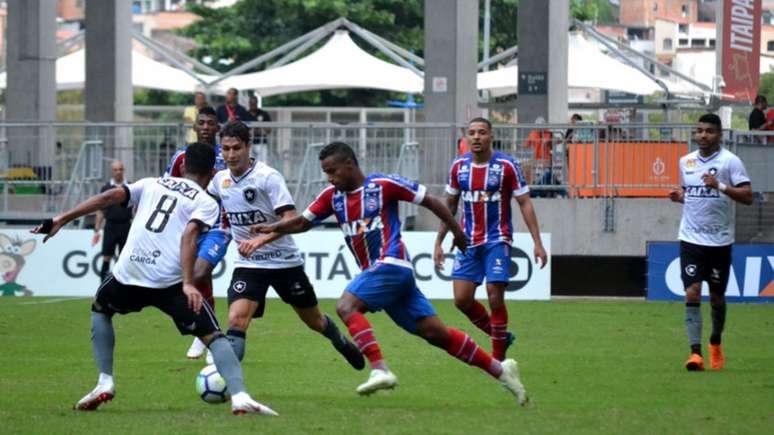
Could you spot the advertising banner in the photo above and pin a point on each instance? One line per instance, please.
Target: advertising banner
(741, 47)
(751, 279)
(67, 265)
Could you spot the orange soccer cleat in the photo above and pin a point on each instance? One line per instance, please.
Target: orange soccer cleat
(716, 357)
(695, 363)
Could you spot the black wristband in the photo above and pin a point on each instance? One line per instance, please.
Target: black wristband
(46, 226)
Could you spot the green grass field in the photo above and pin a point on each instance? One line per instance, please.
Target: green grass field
(590, 367)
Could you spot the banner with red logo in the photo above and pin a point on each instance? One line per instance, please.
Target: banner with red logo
(741, 45)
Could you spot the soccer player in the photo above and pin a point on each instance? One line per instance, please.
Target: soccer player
(712, 179)
(156, 269)
(251, 192)
(366, 208)
(486, 181)
(213, 244)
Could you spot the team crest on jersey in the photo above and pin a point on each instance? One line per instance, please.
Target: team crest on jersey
(239, 286)
(713, 171)
(249, 195)
(226, 183)
(690, 164)
(371, 204)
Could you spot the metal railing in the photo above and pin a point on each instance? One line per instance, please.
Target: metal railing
(69, 161)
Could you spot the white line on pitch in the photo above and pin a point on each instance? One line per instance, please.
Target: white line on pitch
(51, 301)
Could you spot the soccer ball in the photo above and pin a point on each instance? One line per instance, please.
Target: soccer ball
(211, 386)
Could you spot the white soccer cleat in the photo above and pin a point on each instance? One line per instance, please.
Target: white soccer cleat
(209, 358)
(378, 380)
(100, 394)
(196, 350)
(510, 380)
(246, 405)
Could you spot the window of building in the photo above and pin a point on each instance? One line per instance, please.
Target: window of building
(685, 10)
(682, 28)
(682, 42)
(712, 43)
(698, 42)
(655, 6)
(667, 44)
(770, 46)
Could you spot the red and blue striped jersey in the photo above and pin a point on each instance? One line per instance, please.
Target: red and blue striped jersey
(369, 217)
(486, 190)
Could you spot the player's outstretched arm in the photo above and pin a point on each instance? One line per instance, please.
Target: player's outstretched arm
(530, 218)
(105, 199)
(442, 211)
(247, 247)
(298, 224)
(452, 202)
(187, 262)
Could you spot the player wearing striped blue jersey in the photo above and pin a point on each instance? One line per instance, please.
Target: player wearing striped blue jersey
(486, 181)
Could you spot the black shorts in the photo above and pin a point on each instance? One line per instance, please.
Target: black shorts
(113, 297)
(114, 237)
(291, 284)
(705, 263)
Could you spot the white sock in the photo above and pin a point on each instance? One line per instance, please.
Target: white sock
(105, 379)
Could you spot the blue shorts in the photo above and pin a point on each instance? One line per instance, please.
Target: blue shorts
(213, 246)
(490, 260)
(392, 288)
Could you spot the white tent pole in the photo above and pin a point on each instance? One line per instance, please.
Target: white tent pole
(379, 46)
(174, 62)
(600, 37)
(185, 58)
(328, 28)
(396, 48)
(498, 57)
(270, 55)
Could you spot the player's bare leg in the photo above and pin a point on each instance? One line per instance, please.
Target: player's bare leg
(229, 368)
(718, 304)
(501, 337)
(459, 345)
(240, 313)
(693, 325)
(323, 324)
(350, 309)
(203, 277)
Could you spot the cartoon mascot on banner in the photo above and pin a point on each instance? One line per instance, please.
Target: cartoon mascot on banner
(12, 253)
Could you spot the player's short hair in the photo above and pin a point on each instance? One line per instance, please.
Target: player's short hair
(207, 110)
(760, 99)
(341, 149)
(236, 129)
(199, 159)
(711, 118)
(481, 120)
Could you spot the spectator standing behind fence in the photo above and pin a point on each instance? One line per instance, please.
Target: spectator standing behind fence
(260, 135)
(569, 135)
(538, 169)
(116, 220)
(190, 112)
(231, 110)
(757, 120)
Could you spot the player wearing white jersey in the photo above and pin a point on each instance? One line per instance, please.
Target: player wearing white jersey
(156, 269)
(253, 193)
(712, 179)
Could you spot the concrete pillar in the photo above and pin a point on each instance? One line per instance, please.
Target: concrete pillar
(109, 75)
(451, 56)
(542, 31)
(31, 93)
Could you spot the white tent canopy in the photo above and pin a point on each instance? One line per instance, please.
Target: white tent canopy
(587, 67)
(700, 65)
(146, 73)
(338, 64)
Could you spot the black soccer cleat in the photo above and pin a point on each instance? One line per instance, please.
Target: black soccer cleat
(352, 354)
